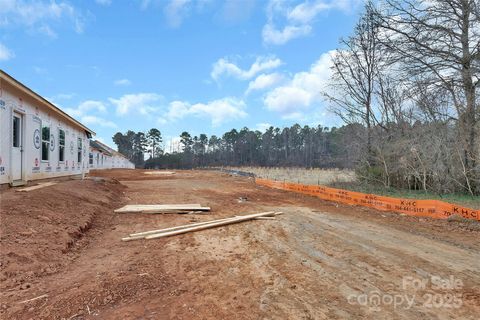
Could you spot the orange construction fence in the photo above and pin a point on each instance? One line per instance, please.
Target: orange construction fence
(422, 208)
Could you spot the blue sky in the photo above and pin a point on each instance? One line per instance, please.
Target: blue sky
(202, 66)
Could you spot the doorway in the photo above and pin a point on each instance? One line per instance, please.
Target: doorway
(17, 146)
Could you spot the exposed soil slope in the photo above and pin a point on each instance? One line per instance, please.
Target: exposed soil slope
(309, 264)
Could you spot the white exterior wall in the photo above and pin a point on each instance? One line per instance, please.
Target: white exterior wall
(97, 159)
(34, 116)
(109, 162)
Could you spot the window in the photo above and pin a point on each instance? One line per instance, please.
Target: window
(79, 150)
(98, 156)
(90, 158)
(45, 143)
(16, 132)
(61, 145)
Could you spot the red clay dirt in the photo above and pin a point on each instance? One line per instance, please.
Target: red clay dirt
(319, 260)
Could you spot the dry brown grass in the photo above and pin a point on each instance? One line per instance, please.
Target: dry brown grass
(302, 175)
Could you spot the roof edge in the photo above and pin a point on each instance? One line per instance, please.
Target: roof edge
(112, 150)
(17, 84)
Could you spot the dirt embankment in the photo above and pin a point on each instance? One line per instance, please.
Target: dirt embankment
(42, 231)
(314, 262)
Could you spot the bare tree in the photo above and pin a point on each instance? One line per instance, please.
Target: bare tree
(355, 68)
(438, 42)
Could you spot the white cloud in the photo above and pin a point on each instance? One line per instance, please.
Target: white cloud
(172, 144)
(64, 96)
(307, 11)
(297, 20)
(262, 127)
(36, 15)
(175, 11)
(223, 66)
(264, 81)
(302, 91)
(40, 70)
(5, 53)
(144, 103)
(219, 111)
(47, 31)
(122, 82)
(271, 35)
(177, 110)
(235, 11)
(104, 2)
(94, 120)
(87, 106)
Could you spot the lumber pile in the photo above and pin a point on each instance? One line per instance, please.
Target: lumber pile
(162, 208)
(192, 227)
(38, 186)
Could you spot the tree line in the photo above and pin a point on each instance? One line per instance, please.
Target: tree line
(405, 83)
(409, 74)
(292, 146)
(134, 145)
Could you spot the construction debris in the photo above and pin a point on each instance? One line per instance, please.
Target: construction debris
(39, 186)
(36, 298)
(160, 172)
(242, 199)
(162, 208)
(153, 234)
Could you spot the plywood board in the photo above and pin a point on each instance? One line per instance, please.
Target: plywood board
(160, 208)
(159, 172)
(39, 186)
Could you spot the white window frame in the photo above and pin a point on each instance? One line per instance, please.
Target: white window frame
(60, 144)
(47, 141)
(79, 150)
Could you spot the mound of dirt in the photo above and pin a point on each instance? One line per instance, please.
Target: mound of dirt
(40, 229)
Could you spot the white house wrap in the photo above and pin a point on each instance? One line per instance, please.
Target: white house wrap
(103, 157)
(39, 141)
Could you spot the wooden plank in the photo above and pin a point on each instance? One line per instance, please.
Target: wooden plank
(36, 298)
(39, 186)
(173, 210)
(210, 225)
(160, 172)
(141, 235)
(160, 208)
(163, 210)
(196, 205)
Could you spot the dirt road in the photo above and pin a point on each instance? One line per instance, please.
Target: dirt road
(317, 261)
